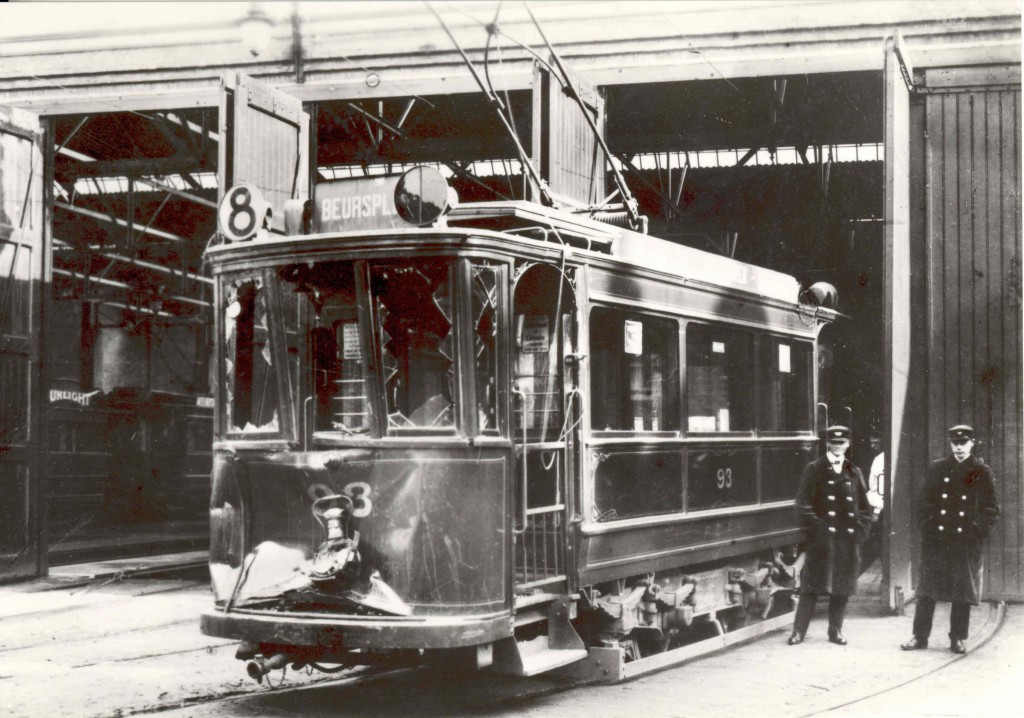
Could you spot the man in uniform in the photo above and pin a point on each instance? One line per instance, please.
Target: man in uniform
(833, 510)
(957, 510)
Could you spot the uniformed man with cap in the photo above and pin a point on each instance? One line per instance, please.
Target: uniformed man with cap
(956, 512)
(833, 510)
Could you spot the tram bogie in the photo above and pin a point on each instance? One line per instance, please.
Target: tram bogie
(501, 441)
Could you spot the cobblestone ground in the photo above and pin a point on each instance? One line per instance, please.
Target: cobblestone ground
(130, 647)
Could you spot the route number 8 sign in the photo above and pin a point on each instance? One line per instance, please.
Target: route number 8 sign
(241, 213)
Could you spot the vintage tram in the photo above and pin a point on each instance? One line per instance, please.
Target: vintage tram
(502, 433)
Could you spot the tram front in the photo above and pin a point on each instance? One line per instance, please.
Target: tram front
(362, 473)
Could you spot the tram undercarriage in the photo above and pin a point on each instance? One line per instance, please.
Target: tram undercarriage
(622, 628)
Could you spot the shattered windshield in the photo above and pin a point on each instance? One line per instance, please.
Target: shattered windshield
(250, 379)
(413, 309)
(396, 315)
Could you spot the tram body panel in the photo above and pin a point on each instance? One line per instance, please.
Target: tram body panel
(434, 529)
(658, 505)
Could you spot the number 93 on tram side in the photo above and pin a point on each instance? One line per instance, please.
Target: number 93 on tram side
(498, 435)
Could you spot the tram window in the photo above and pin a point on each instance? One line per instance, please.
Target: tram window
(413, 306)
(718, 392)
(634, 373)
(485, 314)
(250, 379)
(339, 366)
(786, 385)
(541, 295)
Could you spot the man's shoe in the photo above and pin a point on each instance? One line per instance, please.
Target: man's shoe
(837, 638)
(957, 646)
(795, 639)
(915, 644)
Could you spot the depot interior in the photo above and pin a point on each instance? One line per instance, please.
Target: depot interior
(782, 172)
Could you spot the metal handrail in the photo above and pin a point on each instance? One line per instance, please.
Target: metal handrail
(521, 529)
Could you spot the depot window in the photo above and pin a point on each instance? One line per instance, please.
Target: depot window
(719, 395)
(635, 372)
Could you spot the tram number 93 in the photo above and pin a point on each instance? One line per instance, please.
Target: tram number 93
(241, 212)
(724, 478)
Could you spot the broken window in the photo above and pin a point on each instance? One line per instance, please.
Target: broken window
(413, 308)
(250, 380)
(485, 346)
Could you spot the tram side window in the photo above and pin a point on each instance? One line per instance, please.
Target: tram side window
(634, 372)
(719, 397)
(786, 385)
(250, 379)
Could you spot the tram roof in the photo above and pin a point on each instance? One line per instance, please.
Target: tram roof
(534, 225)
(635, 248)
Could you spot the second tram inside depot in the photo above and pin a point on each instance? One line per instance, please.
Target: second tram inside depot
(518, 433)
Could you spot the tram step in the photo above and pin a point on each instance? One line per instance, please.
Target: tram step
(560, 647)
(540, 658)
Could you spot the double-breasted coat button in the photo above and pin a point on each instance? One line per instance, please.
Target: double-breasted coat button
(941, 528)
(961, 513)
(964, 497)
(946, 479)
(943, 512)
(945, 496)
(959, 530)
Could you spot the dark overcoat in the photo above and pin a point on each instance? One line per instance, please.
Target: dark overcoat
(835, 515)
(956, 512)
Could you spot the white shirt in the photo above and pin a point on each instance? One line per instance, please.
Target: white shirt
(876, 483)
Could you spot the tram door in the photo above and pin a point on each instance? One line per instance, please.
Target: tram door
(21, 264)
(543, 427)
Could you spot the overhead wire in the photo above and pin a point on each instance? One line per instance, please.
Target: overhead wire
(627, 197)
(545, 195)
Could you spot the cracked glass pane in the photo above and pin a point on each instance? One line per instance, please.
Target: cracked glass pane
(485, 346)
(251, 383)
(414, 320)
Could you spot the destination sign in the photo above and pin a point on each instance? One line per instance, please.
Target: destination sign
(353, 204)
(417, 197)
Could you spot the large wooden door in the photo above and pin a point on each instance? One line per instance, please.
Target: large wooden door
(898, 535)
(265, 143)
(974, 369)
(21, 269)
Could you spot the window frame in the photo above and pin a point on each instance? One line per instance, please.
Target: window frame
(286, 431)
(754, 335)
(468, 381)
(764, 342)
(678, 323)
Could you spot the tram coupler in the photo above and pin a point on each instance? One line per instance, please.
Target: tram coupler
(261, 666)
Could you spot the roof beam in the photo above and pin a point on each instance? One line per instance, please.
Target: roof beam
(161, 166)
(172, 271)
(118, 222)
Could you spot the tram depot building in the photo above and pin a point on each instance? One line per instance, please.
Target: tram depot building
(873, 146)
